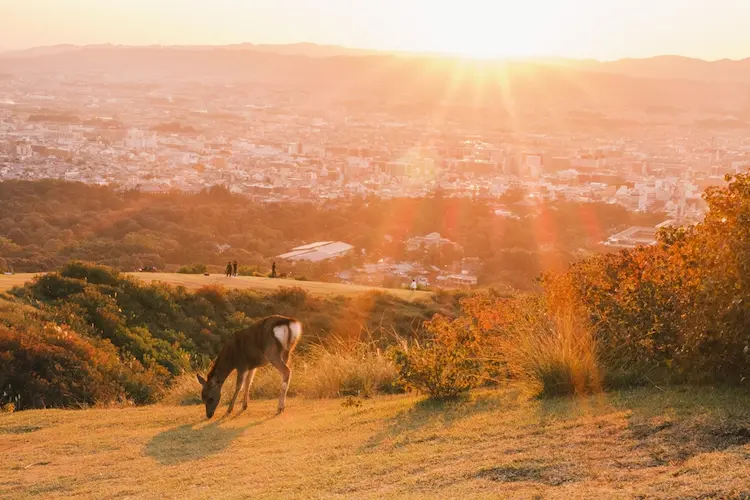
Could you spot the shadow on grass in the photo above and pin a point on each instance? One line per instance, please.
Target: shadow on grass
(556, 409)
(680, 402)
(20, 429)
(194, 441)
(434, 413)
(670, 424)
(677, 423)
(641, 404)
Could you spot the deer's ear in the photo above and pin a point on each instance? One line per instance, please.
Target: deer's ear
(201, 380)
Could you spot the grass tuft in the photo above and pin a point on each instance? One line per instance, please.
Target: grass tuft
(553, 355)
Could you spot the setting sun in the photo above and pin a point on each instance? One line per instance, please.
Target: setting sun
(484, 29)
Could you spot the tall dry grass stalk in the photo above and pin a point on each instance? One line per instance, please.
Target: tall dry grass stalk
(335, 370)
(552, 352)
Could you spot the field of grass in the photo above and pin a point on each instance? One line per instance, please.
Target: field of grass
(193, 282)
(9, 281)
(649, 443)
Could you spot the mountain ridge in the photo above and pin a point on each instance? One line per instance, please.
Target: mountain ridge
(417, 83)
(312, 49)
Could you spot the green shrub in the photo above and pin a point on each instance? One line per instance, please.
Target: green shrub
(91, 273)
(193, 269)
(55, 287)
(445, 364)
(293, 296)
(51, 366)
(121, 313)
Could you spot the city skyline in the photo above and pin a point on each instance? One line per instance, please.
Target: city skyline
(576, 29)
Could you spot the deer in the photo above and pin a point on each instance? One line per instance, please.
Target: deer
(270, 340)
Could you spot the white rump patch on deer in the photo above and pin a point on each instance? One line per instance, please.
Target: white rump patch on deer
(296, 330)
(281, 332)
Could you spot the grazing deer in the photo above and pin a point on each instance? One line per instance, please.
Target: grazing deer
(270, 340)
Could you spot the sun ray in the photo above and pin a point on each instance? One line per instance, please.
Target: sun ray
(503, 78)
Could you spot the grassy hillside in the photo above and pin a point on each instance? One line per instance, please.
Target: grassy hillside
(193, 282)
(91, 335)
(659, 444)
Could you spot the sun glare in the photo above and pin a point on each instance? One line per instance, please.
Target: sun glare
(484, 52)
(487, 30)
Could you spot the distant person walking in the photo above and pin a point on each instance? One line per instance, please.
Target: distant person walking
(273, 270)
(413, 286)
(234, 268)
(229, 269)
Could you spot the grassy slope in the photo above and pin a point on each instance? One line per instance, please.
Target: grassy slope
(678, 443)
(242, 282)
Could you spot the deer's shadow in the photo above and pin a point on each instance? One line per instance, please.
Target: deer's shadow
(195, 441)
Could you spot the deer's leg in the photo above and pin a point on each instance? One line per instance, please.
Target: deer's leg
(240, 380)
(248, 383)
(286, 374)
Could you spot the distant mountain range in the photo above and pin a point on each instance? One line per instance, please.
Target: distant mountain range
(667, 66)
(301, 49)
(671, 84)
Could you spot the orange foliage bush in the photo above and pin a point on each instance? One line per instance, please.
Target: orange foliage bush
(53, 366)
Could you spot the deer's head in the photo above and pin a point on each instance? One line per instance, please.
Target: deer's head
(211, 395)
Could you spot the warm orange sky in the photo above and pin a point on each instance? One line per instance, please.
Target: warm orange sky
(604, 29)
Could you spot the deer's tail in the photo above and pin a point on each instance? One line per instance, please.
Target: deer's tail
(288, 334)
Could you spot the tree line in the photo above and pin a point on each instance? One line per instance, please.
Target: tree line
(44, 224)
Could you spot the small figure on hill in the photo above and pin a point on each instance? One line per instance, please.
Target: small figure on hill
(229, 269)
(273, 270)
(234, 268)
(413, 285)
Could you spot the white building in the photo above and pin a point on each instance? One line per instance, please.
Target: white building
(66, 135)
(318, 251)
(633, 237)
(138, 139)
(23, 150)
(463, 280)
(428, 241)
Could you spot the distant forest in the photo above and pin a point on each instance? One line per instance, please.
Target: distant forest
(45, 224)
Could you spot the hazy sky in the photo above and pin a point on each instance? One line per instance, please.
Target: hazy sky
(604, 29)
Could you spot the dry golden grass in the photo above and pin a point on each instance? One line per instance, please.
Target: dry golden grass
(193, 282)
(9, 281)
(340, 370)
(553, 355)
(675, 444)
